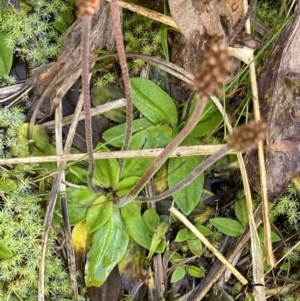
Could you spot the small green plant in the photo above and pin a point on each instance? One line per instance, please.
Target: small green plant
(10, 123)
(21, 218)
(21, 226)
(35, 34)
(141, 35)
(288, 206)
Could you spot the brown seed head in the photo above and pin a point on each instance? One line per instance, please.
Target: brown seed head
(87, 7)
(247, 135)
(214, 71)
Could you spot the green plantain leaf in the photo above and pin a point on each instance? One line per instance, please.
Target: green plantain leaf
(195, 271)
(173, 257)
(107, 172)
(153, 102)
(98, 213)
(210, 118)
(6, 56)
(79, 172)
(157, 136)
(204, 230)
(79, 201)
(227, 226)
(178, 169)
(178, 274)
(183, 235)
(195, 246)
(151, 219)
(123, 187)
(108, 246)
(241, 211)
(108, 93)
(115, 135)
(135, 225)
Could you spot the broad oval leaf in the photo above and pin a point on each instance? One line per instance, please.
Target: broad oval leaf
(98, 213)
(195, 271)
(115, 135)
(63, 23)
(173, 257)
(183, 235)
(131, 265)
(108, 246)
(107, 172)
(209, 120)
(79, 200)
(178, 274)
(153, 102)
(241, 211)
(8, 185)
(106, 94)
(152, 137)
(204, 230)
(274, 236)
(227, 226)
(79, 172)
(151, 219)
(80, 236)
(157, 136)
(124, 186)
(195, 246)
(135, 225)
(178, 169)
(6, 56)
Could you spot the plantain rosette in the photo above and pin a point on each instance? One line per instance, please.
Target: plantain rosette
(110, 233)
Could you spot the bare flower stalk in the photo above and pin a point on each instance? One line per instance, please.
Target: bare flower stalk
(115, 13)
(86, 11)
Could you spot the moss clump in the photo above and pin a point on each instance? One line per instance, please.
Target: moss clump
(10, 123)
(35, 33)
(21, 225)
(141, 35)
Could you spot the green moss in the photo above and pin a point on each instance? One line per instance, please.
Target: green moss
(141, 35)
(288, 206)
(32, 33)
(21, 226)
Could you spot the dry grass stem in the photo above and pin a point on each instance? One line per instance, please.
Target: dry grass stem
(262, 168)
(147, 13)
(182, 151)
(119, 103)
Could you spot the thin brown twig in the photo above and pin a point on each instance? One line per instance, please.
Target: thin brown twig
(123, 64)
